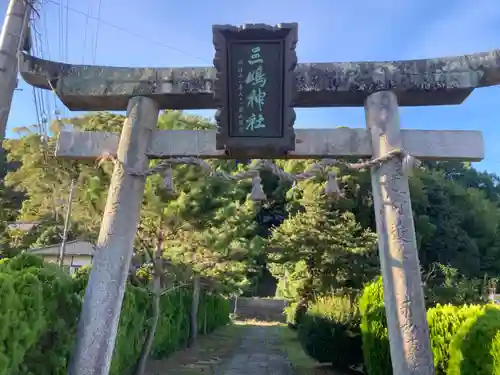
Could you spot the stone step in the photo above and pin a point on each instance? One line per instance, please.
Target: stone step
(264, 309)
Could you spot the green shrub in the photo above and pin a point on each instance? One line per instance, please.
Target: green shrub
(81, 279)
(22, 261)
(205, 323)
(22, 318)
(376, 351)
(132, 330)
(39, 309)
(289, 313)
(444, 323)
(445, 285)
(173, 325)
(61, 307)
(222, 310)
(476, 346)
(8, 299)
(213, 312)
(44, 315)
(294, 313)
(329, 332)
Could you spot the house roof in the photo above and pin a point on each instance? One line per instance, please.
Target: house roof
(23, 225)
(77, 247)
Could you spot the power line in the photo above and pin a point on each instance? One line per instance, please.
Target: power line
(142, 36)
(41, 97)
(63, 34)
(66, 33)
(45, 30)
(60, 32)
(62, 250)
(94, 52)
(87, 18)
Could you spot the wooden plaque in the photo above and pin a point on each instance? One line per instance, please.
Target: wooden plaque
(255, 89)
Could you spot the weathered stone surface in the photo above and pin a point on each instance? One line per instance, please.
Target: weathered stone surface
(257, 308)
(98, 322)
(439, 81)
(310, 143)
(410, 347)
(258, 354)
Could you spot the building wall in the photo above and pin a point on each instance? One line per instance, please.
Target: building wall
(74, 262)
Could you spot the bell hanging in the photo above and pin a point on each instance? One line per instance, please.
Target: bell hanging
(257, 194)
(332, 187)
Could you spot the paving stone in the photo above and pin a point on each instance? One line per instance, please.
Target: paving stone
(257, 355)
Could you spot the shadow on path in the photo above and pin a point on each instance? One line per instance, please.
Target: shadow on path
(238, 349)
(243, 348)
(258, 353)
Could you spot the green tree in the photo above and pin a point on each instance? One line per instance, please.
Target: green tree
(456, 225)
(320, 250)
(456, 212)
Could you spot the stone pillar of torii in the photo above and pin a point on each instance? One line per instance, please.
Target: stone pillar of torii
(378, 86)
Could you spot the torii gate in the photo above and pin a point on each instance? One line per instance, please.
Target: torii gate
(378, 86)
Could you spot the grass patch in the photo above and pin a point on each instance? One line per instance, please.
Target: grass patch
(254, 322)
(203, 358)
(301, 362)
(290, 344)
(212, 350)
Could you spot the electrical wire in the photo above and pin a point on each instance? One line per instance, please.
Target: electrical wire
(87, 18)
(39, 96)
(46, 32)
(134, 33)
(34, 11)
(60, 31)
(66, 33)
(41, 100)
(94, 52)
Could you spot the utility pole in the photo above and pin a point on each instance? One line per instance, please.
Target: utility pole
(66, 224)
(12, 37)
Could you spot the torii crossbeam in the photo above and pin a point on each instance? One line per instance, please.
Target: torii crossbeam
(378, 86)
(310, 144)
(438, 81)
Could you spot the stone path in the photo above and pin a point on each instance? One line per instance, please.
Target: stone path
(257, 354)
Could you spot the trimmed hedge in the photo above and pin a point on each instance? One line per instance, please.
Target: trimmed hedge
(39, 309)
(290, 317)
(329, 332)
(132, 329)
(376, 353)
(444, 323)
(476, 346)
(464, 339)
(43, 317)
(294, 312)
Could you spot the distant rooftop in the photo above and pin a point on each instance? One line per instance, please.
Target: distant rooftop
(77, 247)
(23, 225)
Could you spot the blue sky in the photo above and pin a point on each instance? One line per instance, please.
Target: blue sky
(178, 33)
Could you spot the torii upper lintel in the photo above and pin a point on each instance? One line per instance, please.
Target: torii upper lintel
(437, 81)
